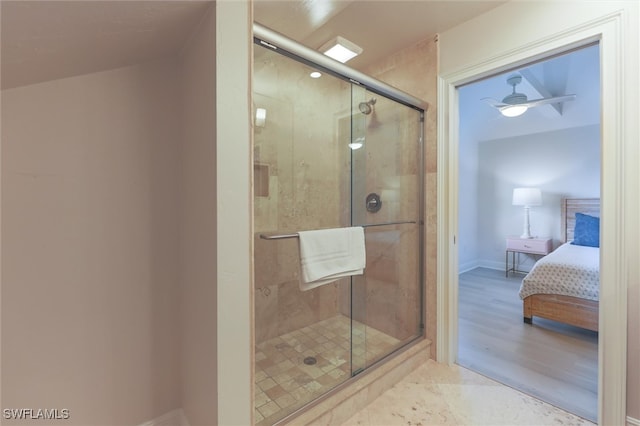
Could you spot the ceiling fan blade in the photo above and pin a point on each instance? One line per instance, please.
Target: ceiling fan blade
(493, 102)
(544, 101)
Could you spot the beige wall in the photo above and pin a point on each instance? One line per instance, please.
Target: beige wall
(111, 228)
(198, 266)
(90, 237)
(414, 70)
(476, 40)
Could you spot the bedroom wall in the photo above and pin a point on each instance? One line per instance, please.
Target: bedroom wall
(562, 164)
(467, 193)
(89, 245)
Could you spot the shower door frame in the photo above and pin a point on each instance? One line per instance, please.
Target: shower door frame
(282, 45)
(285, 46)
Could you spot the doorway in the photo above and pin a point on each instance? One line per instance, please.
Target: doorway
(617, 132)
(554, 148)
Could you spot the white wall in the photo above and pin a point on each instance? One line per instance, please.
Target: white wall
(467, 196)
(234, 167)
(89, 245)
(562, 164)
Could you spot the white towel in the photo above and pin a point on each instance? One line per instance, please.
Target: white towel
(327, 255)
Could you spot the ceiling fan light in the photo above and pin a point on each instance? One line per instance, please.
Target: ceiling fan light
(513, 110)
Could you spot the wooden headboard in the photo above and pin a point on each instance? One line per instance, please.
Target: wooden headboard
(571, 206)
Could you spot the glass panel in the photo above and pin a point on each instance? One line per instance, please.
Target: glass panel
(386, 301)
(303, 338)
(358, 153)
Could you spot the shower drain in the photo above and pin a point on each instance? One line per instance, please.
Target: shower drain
(310, 360)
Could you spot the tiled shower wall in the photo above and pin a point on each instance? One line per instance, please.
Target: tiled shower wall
(415, 70)
(296, 153)
(302, 185)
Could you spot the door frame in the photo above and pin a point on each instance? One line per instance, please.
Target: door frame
(615, 172)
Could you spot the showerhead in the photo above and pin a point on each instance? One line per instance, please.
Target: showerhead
(367, 107)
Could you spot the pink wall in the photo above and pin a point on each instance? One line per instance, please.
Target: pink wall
(198, 268)
(90, 245)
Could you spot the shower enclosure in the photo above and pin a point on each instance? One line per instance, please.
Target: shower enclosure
(330, 152)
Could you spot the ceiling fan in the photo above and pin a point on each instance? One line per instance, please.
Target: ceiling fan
(516, 104)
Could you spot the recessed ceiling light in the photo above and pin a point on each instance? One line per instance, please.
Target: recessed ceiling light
(341, 49)
(315, 74)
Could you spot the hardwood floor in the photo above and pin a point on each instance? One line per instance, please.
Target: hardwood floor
(553, 362)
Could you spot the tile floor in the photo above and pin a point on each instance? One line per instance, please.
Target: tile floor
(285, 383)
(437, 394)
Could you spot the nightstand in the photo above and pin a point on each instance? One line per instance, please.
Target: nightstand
(540, 246)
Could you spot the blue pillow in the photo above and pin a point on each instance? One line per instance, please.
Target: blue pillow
(587, 231)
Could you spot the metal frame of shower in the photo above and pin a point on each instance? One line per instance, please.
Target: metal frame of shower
(277, 42)
(280, 43)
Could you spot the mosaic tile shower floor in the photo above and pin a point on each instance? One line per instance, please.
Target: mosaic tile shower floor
(285, 383)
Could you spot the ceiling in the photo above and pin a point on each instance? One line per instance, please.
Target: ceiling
(382, 28)
(46, 40)
(577, 72)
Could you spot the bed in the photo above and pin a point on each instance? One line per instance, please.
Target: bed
(564, 285)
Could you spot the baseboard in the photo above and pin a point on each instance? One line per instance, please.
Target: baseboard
(488, 264)
(632, 422)
(467, 266)
(491, 264)
(172, 418)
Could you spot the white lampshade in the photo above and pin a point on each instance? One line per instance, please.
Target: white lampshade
(527, 197)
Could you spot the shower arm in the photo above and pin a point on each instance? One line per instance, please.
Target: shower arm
(285, 236)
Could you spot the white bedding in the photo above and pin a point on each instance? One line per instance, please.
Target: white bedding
(569, 270)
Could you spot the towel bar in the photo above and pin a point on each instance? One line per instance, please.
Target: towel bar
(283, 236)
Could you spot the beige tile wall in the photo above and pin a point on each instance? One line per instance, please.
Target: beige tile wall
(308, 189)
(298, 147)
(414, 70)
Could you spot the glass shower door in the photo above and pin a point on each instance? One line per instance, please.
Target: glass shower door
(301, 182)
(385, 169)
(329, 154)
